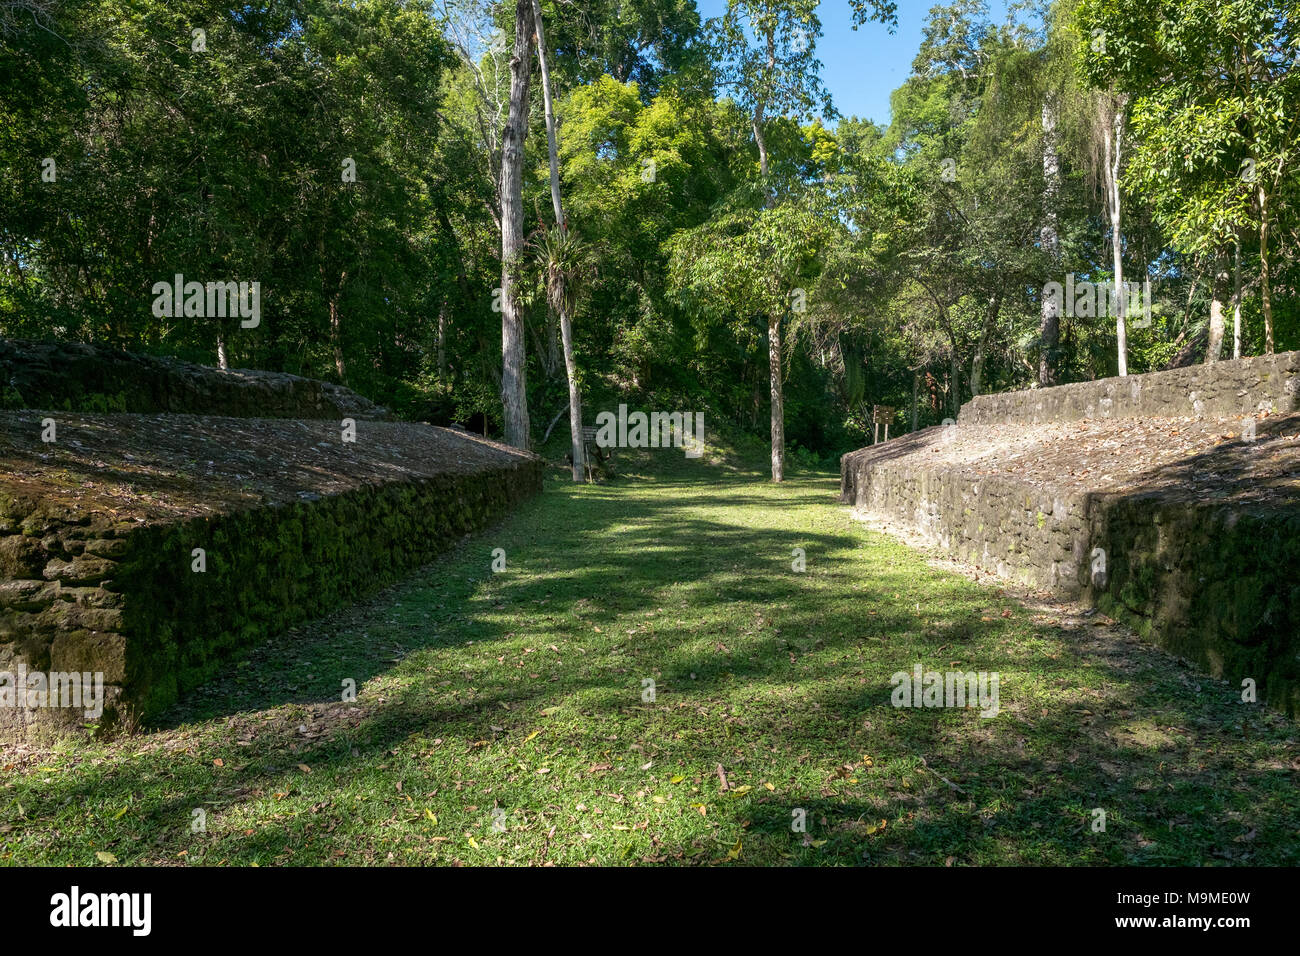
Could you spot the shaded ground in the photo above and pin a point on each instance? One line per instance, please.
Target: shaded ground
(522, 693)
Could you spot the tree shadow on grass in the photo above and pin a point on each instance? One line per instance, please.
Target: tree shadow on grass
(806, 681)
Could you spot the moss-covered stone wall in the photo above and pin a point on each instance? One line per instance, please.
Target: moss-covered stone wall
(98, 532)
(1185, 528)
(1261, 383)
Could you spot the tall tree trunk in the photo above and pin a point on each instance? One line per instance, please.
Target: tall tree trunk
(1049, 328)
(1236, 298)
(916, 388)
(760, 111)
(774, 358)
(956, 382)
(575, 400)
(335, 341)
(566, 328)
(977, 363)
(442, 343)
(552, 148)
(1113, 133)
(514, 392)
(1265, 299)
(223, 360)
(778, 399)
(1218, 287)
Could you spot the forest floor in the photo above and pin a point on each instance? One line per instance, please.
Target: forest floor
(505, 718)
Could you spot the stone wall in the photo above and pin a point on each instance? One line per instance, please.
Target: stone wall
(1269, 383)
(71, 376)
(98, 532)
(1208, 581)
(1182, 527)
(1016, 529)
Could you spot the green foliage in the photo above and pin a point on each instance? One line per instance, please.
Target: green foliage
(917, 245)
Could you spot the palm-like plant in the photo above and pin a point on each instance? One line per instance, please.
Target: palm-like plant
(566, 262)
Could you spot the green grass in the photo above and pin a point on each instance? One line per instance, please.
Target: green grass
(521, 692)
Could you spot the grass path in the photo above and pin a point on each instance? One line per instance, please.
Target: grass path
(500, 718)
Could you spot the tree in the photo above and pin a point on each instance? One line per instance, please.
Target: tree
(562, 261)
(514, 387)
(777, 76)
(1216, 114)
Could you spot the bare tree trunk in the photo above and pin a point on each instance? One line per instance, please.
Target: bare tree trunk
(977, 363)
(956, 381)
(551, 146)
(760, 110)
(514, 392)
(778, 400)
(774, 358)
(1236, 299)
(442, 343)
(335, 342)
(566, 328)
(1049, 329)
(223, 360)
(575, 400)
(1113, 133)
(1214, 348)
(1265, 298)
(916, 387)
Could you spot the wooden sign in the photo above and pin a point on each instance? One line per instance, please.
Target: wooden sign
(881, 415)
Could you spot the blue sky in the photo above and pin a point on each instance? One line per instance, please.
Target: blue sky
(861, 68)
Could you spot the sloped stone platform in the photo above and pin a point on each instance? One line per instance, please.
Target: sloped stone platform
(98, 531)
(1182, 527)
